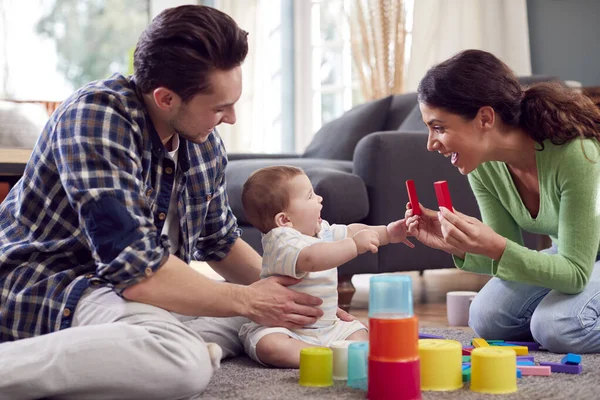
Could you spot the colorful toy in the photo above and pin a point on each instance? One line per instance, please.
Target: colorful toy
(412, 197)
(535, 370)
(440, 364)
(493, 370)
(571, 359)
(394, 369)
(479, 342)
(564, 368)
(316, 365)
(358, 354)
(443, 195)
(532, 346)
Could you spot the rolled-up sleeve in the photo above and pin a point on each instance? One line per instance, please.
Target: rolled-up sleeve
(98, 152)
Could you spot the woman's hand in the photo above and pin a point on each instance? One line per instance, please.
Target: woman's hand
(469, 235)
(426, 228)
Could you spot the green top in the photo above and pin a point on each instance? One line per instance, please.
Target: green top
(569, 213)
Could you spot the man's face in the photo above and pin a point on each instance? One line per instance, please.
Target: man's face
(196, 119)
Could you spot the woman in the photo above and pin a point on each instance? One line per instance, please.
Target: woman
(533, 161)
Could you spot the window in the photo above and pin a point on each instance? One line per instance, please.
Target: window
(329, 86)
(49, 48)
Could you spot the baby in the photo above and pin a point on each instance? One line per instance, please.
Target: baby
(281, 203)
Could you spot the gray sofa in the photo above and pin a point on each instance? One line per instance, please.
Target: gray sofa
(359, 164)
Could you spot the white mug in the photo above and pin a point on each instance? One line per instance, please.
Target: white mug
(457, 307)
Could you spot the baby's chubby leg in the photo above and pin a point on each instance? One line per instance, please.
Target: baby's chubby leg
(280, 350)
(361, 335)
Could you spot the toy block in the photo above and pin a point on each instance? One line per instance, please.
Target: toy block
(429, 336)
(443, 195)
(525, 358)
(525, 362)
(564, 368)
(493, 342)
(520, 350)
(479, 342)
(466, 359)
(466, 365)
(412, 198)
(532, 346)
(466, 351)
(535, 370)
(519, 373)
(571, 359)
(466, 375)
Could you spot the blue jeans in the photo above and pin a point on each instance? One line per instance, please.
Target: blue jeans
(561, 323)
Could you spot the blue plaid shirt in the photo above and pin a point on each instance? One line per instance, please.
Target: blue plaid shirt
(92, 202)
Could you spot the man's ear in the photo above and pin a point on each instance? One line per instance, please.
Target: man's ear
(166, 99)
(281, 219)
(486, 117)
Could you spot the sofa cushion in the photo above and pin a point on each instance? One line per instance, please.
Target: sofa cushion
(337, 139)
(344, 194)
(21, 123)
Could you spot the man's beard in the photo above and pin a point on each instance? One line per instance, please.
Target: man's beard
(185, 135)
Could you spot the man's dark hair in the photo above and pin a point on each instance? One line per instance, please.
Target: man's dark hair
(182, 46)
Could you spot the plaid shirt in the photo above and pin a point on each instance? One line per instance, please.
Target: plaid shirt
(92, 202)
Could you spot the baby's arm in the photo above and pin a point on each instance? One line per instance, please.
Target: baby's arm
(394, 232)
(327, 255)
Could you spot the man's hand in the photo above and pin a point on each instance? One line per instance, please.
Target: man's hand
(344, 316)
(396, 232)
(366, 240)
(271, 303)
(470, 235)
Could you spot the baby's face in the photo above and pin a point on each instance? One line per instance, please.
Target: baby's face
(304, 210)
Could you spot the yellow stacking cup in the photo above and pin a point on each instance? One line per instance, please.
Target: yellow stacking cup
(493, 370)
(316, 367)
(441, 364)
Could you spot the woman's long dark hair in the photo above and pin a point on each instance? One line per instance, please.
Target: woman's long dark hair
(473, 79)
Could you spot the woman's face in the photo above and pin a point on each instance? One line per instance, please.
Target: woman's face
(453, 136)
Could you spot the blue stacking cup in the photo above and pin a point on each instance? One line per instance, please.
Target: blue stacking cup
(358, 361)
(390, 296)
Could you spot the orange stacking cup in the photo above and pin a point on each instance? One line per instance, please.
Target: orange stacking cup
(394, 339)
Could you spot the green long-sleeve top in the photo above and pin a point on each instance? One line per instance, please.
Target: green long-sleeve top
(569, 179)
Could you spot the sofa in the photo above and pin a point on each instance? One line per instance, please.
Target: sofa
(359, 164)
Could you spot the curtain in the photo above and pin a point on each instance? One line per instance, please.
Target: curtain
(258, 128)
(442, 28)
(377, 34)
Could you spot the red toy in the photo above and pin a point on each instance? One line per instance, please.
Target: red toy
(443, 195)
(412, 197)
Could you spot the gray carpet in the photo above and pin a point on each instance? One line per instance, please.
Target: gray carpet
(241, 379)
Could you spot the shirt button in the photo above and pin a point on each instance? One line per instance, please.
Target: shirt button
(209, 197)
(162, 216)
(149, 192)
(66, 312)
(169, 170)
(148, 271)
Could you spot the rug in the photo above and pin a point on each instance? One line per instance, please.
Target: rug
(241, 379)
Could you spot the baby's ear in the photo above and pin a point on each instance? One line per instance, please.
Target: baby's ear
(281, 219)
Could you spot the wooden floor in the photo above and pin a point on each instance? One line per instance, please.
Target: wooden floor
(429, 294)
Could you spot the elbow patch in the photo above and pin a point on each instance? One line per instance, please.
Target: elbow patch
(111, 227)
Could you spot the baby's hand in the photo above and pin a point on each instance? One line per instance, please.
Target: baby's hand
(397, 232)
(366, 240)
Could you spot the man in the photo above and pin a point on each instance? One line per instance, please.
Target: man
(126, 184)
